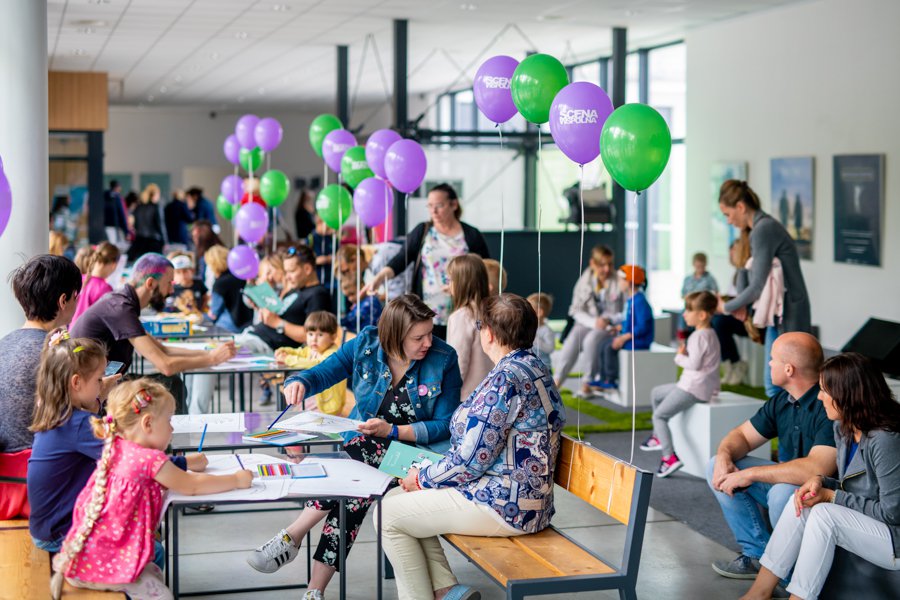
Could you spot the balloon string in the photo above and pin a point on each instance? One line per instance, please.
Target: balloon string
(358, 275)
(539, 213)
(405, 236)
(581, 199)
(633, 355)
(274, 230)
(502, 213)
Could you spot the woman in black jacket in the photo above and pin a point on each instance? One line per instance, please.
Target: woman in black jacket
(431, 246)
(148, 225)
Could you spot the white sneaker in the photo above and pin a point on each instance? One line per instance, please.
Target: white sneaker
(727, 368)
(313, 595)
(274, 554)
(738, 373)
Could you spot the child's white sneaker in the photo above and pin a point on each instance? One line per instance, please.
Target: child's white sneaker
(738, 372)
(274, 554)
(727, 367)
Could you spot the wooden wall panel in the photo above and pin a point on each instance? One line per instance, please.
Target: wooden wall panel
(77, 101)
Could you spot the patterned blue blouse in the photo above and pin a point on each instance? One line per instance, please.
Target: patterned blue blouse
(504, 441)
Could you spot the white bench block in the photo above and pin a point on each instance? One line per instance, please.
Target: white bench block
(653, 367)
(662, 329)
(696, 432)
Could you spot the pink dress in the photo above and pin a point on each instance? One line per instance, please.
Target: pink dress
(121, 542)
(92, 291)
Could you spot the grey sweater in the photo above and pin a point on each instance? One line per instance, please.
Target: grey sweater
(870, 484)
(768, 240)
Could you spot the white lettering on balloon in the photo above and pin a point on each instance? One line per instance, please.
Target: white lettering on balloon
(578, 116)
(358, 164)
(496, 83)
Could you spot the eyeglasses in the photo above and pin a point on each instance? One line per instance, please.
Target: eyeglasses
(437, 206)
(478, 325)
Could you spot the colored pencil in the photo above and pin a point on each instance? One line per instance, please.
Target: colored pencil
(278, 417)
(238, 457)
(202, 437)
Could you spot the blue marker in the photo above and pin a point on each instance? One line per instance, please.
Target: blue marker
(202, 437)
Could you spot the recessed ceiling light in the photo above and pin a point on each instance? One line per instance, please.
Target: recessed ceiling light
(241, 35)
(281, 7)
(163, 90)
(633, 12)
(551, 17)
(89, 23)
(214, 56)
(178, 78)
(79, 52)
(465, 6)
(98, 1)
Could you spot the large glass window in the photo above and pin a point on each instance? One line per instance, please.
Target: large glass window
(667, 67)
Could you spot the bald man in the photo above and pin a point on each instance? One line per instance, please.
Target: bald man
(795, 416)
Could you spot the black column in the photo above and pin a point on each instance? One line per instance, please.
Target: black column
(401, 105)
(96, 232)
(343, 87)
(619, 46)
(529, 156)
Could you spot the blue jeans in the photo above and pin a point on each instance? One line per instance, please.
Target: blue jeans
(742, 511)
(771, 389)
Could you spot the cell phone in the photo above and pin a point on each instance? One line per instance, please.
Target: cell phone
(113, 367)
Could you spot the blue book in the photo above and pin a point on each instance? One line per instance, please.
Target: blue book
(401, 457)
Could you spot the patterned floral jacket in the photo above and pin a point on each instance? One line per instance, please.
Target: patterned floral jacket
(503, 443)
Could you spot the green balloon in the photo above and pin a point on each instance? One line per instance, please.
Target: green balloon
(320, 127)
(334, 205)
(251, 159)
(635, 145)
(535, 83)
(226, 209)
(274, 187)
(354, 167)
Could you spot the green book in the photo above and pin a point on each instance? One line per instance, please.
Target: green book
(263, 296)
(400, 457)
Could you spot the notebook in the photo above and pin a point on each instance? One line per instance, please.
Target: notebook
(400, 457)
(276, 437)
(264, 296)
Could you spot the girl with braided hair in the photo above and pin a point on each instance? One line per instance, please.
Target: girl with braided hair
(111, 543)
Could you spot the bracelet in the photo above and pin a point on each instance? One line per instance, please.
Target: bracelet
(395, 433)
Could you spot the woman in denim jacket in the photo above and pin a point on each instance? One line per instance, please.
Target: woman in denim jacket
(406, 385)
(497, 477)
(860, 509)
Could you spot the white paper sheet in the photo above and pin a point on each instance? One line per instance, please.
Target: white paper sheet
(226, 464)
(319, 423)
(221, 422)
(345, 477)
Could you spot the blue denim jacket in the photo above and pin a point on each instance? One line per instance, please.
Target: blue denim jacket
(433, 384)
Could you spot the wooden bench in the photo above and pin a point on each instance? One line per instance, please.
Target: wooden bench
(25, 570)
(550, 562)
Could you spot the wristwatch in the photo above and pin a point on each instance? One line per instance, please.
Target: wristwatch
(280, 327)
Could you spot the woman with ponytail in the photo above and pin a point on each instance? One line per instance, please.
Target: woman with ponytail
(787, 304)
(98, 263)
(111, 543)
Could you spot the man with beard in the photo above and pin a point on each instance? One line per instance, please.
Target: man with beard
(115, 321)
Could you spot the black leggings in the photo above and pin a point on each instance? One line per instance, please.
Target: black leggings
(726, 327)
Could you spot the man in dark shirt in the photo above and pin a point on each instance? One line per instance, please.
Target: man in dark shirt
(178, 216)
(795, 416)
(305, 295)
(200, 206)
(115, 321)
(115, 218)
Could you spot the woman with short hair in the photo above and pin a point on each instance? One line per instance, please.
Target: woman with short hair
(497, 477)
(406, 385)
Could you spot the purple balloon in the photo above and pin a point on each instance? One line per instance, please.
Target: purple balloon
(232, 149)
(245, 130)
(334, 145)
(252, 222)
(492, 88)
(373, 200)
(232, 188)
(5, 199)
(577, 115)
(377, 147)
(405, 165)
(268, 134)
(243, 262)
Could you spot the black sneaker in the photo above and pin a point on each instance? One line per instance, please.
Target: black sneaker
(779, 593)
(742, 567)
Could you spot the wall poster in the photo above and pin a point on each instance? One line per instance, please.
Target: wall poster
(858, 208)
(793, 200)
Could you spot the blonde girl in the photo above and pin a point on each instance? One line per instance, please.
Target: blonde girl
(99, 262)
(110, 545)
(468, 289)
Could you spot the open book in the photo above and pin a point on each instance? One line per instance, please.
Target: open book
(264, 296)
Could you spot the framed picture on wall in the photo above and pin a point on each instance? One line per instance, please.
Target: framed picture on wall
(793, 199)
(723, 234)
(858, 208)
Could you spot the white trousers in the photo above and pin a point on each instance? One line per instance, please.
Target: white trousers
(807, 543)
(411, 525)
(581, 341)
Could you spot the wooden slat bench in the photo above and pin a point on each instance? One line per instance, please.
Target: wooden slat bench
(550, 562)
(25, 570)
